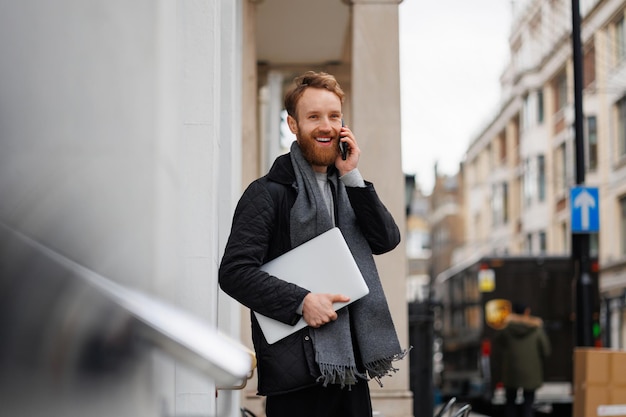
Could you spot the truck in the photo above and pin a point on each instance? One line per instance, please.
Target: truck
(474, 298)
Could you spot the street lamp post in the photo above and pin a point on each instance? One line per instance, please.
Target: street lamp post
(580, 241)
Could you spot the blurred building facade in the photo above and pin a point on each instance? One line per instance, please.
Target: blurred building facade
(446, 219)
(518, 171)
(129, 132)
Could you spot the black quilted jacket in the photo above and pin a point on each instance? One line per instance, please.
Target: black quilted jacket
(260, 233)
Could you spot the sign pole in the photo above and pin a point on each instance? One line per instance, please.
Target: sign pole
(580, 241)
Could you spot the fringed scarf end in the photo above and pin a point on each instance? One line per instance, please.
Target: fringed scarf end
(384, 367)
(339, 374)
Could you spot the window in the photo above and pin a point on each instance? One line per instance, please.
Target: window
(540, 106)
(589, 67)
(561, 167)
(505, 202)
(502, 148)
(543, 246)
(541, 178)
(529, 183)
(496, 205)
(621, 126)
(442, 236)
(532, 109)
(561, 91)
(477, 227)
(532, 113)
(534, 180)
(499, 204)
(526, 112)
(622, 206)
(525, 184)
(417, 243)
(592, 143)
(516, 140)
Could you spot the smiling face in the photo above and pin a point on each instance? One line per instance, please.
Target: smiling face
(317, 125)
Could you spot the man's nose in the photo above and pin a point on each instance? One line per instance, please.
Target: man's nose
(325, 124)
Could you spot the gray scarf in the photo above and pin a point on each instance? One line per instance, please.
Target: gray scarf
(372, 325)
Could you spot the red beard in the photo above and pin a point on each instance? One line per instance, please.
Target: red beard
(315, 154)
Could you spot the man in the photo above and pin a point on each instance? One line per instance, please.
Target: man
(321, 370)
(520, 349)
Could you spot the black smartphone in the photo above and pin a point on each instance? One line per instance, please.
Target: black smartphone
(343, 147)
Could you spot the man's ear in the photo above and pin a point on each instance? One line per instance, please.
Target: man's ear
(293, 125)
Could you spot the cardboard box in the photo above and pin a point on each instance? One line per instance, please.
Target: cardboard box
(618, 397)
(592, 397)
(599, 382)
(591, 366)
(618, 369)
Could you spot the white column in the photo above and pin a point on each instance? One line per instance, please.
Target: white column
(376, 124)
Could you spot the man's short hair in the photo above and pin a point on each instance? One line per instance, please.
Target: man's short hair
(306, 80)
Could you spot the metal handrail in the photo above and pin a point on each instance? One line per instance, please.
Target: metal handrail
(241, 384)
(183, 336)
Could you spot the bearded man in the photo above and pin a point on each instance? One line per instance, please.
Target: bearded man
(322, 369)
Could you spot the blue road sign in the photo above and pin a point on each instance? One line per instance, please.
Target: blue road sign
(585, 209)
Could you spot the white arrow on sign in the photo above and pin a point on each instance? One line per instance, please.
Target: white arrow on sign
(585, 202)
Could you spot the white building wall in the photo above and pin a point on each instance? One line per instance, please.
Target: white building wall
(120, 146)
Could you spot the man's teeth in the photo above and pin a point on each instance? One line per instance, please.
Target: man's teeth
(323, 139)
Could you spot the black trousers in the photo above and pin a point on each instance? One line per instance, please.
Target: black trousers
(317, 401)
(527, 406)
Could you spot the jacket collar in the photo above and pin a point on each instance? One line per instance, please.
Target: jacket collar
(282, 171)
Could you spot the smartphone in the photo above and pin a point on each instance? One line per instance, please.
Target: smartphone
(343, 147)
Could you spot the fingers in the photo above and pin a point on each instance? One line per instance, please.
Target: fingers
(318, 309)
(339, 298)
(354, 152)
(317, 322)
(348, 137)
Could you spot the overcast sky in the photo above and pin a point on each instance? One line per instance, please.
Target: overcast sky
(452, 53)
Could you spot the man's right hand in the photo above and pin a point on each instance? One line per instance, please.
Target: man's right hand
(318, 310)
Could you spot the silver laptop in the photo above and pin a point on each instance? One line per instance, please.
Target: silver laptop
(324, 264)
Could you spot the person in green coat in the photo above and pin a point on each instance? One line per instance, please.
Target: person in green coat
(521, 347)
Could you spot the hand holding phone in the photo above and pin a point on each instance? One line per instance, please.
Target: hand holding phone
(343, 147)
